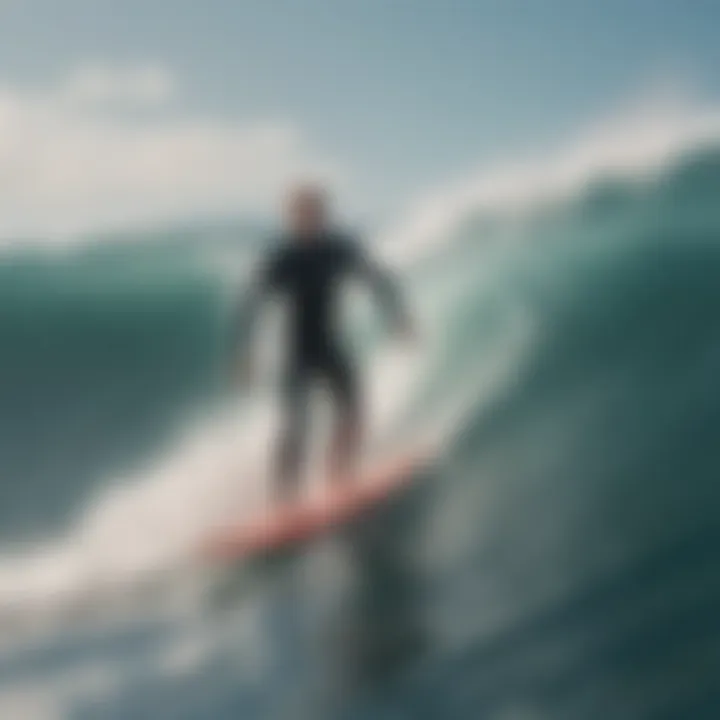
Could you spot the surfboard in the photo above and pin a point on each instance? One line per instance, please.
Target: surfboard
(339, 503)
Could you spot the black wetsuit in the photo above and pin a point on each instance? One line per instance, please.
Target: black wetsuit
(308, 274)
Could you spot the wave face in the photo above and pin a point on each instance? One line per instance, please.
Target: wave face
(102, 349)
(560, 561)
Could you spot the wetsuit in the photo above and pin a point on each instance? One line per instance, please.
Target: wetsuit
(308, 274)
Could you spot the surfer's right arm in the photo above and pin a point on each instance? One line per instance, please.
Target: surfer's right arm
(263, 283)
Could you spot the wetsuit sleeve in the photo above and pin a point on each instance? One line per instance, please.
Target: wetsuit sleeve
(267, 279)
(384, 286)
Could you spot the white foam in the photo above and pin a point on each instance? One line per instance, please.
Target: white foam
(141, 526)
(137, 529)
(52, 698)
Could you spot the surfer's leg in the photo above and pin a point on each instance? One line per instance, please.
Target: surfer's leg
(291, 446)
(347, 430)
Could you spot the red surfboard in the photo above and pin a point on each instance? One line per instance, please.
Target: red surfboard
(341, 503)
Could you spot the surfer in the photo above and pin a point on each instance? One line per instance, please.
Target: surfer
(307, 269)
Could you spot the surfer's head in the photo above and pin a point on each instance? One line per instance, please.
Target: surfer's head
(306, 210)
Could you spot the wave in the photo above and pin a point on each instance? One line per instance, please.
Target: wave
(636, 147)
(117, 457)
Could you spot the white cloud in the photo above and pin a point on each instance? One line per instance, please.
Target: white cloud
(133, 86)
(69, 162)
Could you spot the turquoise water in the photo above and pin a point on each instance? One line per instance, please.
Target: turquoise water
(560, 559)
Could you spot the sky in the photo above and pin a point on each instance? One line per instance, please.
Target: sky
(119, 109)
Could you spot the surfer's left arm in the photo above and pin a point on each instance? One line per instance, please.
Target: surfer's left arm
(387, 290)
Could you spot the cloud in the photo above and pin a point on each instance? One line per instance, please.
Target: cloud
(79, 156)
(139, 85)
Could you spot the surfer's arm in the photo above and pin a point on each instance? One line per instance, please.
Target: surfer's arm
(247, 313)
(386, 289)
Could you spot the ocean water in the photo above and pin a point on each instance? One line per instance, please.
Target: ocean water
(559, 559)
